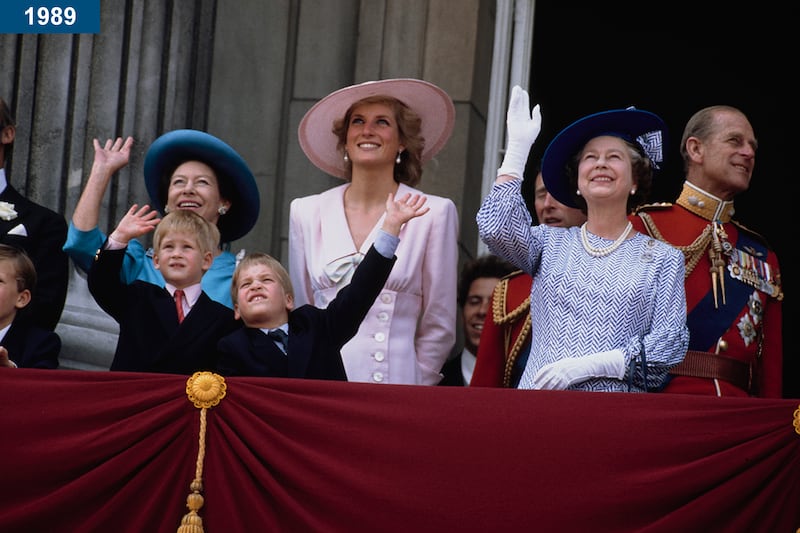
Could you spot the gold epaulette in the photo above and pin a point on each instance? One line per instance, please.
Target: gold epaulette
(653, 207)
(500, 299)
(511, 275)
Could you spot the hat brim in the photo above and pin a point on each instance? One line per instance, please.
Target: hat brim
(627, 124)
(433, 105)
(179, 146)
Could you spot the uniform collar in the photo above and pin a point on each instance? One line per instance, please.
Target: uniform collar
(704, 204)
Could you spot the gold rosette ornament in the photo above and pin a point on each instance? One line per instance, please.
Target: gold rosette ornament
(205, 390)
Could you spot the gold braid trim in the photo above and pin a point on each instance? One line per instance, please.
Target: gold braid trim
(796, 422)
(499, 301)
(511, 356)
(501, 318)
(205, 390)
(692, 253)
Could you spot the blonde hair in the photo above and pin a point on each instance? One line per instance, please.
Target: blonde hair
(183, 220)
(260, 258)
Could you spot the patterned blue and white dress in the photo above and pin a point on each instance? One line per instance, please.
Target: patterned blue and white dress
(632, 299)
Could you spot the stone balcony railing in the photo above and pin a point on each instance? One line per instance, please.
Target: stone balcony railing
(88, 334)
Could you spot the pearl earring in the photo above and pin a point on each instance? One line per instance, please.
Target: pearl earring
(222, 210)
(166, 209)
(397, 159)
(633, 191)
(578, 192)
(346, 159)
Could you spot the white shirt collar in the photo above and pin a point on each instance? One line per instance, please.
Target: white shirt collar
(467, 365)
(190, 293)
(3, 180)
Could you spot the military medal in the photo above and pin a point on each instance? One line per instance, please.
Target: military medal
(753, 271)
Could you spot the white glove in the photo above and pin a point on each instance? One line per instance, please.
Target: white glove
(523, 128)
(561, 374)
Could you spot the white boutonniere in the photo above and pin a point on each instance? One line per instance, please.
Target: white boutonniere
(7, 211)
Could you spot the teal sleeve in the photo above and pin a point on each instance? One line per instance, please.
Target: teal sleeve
(82, 245)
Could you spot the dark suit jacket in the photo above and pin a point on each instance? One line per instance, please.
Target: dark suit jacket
(150, 338)
(316, 336)
(30, 346)
(452, 372)
(46, 235)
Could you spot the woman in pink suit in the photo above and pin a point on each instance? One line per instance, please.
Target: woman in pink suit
(376, 136)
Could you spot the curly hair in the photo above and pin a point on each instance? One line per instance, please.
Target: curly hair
(484, 266)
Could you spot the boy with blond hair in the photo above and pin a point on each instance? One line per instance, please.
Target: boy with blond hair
(175, 328)
(278, 340)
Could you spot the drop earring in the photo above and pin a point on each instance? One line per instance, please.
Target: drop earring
(346, 159)
(397, 159)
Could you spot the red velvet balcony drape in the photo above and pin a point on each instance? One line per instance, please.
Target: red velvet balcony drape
(116, 452)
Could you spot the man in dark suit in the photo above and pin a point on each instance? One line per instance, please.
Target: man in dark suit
(39, 231)
(171, 329)
(278, 340)
(475, 285)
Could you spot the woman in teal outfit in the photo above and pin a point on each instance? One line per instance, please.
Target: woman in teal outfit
(183, 169)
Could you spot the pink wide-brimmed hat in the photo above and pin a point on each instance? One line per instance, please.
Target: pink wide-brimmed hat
(432, 104)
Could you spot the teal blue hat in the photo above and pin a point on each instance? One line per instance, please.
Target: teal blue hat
(237, 183)
(634, 125)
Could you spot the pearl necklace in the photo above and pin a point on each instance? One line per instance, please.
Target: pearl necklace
(602, 252)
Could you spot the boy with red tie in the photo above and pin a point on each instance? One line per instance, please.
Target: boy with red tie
(153, 336)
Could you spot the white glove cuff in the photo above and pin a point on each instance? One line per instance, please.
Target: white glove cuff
(514, 161)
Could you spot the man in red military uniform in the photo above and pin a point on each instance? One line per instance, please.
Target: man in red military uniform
(733, 282)
(506, 338)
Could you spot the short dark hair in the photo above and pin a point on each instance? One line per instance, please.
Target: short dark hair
(484, 266)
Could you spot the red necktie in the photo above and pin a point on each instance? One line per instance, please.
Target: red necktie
(179, 304)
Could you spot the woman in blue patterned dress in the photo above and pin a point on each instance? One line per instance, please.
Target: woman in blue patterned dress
(608, 305)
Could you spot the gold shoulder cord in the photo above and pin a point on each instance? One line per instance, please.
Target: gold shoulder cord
(499, 305)
(692, 252)
(500, 318)
(514, 352)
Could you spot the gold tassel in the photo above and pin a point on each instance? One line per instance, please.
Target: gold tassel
(204, 390)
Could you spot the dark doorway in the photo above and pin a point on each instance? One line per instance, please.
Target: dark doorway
(670, 59)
